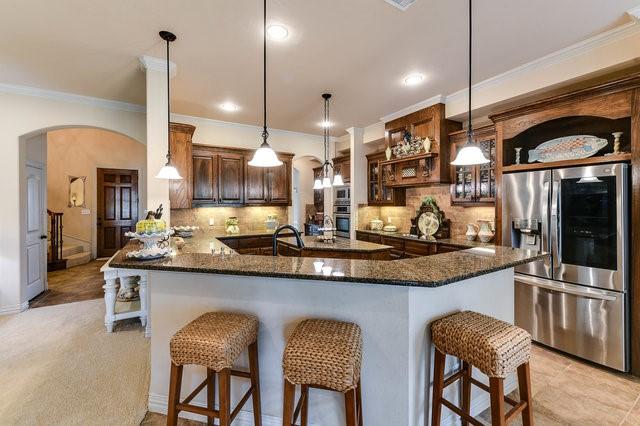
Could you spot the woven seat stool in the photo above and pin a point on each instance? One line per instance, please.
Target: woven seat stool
(494, 347)
(322, 354)
(215, 340)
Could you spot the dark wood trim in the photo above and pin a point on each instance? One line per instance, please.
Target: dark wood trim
(601, 159)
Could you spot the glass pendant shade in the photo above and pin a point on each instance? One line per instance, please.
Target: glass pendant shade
(337, 180)
(265, 157)
(470, 155)
(317, 184)
(326, 182)
(168, 172)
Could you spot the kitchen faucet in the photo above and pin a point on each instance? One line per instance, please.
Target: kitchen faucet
(295, 232)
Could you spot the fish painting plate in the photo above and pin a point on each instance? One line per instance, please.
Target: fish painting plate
(567, 148)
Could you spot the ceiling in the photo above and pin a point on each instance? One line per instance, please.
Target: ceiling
(359, 50)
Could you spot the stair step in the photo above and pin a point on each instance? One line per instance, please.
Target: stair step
(71, 249)
(78, 259)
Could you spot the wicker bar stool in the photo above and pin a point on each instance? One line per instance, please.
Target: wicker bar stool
(322, 354)
(215, 340)
(494, 347)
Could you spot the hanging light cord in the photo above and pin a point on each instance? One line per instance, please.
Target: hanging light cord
(469, 126)
(168, 107)
(265, 132)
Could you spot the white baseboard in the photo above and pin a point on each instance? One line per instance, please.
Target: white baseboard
(14, 309)
(158, 404)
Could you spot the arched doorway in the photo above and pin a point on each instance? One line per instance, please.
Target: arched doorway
(61, 165)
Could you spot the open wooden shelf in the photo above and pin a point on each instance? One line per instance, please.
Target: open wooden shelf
(601, 159)
(409, 158)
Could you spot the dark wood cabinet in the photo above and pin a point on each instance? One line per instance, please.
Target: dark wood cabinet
(230, 178)
(473, 185)
(268, 185)
(405, 248)
(180, 147)
(342, 166)
(205, 188)
(424, 168)
(378, 193)
(318, 194)
(255, 185)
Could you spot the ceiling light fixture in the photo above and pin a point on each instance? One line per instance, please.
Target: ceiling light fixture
(265, 156)
(413, 79)
(325, 123)
(229, 107)
(470, 154)
(277, 32)
(168, 171)
(337, 177)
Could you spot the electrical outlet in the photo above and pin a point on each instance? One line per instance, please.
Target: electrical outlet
(211, 221)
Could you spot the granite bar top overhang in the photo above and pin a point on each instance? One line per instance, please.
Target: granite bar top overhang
(456, 242)
(429, 271)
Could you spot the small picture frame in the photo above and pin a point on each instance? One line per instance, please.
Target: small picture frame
(77, 191)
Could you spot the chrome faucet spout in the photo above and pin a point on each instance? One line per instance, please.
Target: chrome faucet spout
(299, 241)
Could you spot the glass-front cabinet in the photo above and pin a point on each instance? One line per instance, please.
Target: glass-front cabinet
(474, 184)
(378, 194)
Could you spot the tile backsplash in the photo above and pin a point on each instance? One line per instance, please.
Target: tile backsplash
(401, 216)
(250, 218)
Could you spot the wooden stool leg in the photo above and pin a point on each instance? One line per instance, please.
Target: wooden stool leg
(211, 394)
(350, 407)
(254, 369)
(466, 390)
(359, 402)
(438, 386)
(524, 384)
(304, 410)
(287, 407)
(175, 383)
(496, 391)
(224, 396)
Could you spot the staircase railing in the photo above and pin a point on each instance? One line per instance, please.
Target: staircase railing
(55, 235)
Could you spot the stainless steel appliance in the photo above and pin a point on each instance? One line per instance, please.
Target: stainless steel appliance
(342, 194)
(342, 208)
(342, 224)
(342, 211)
(578, 300)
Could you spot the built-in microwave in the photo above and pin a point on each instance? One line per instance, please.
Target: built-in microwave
(342, 208)
(342, 195)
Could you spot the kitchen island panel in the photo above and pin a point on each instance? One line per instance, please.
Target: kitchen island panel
(397, 353)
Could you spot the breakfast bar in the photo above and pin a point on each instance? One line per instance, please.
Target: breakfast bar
(392, 301)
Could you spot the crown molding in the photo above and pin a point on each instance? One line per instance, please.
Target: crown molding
(413, 108)
(157, 64)
(634, 12)
(15, 89)
(613, 35)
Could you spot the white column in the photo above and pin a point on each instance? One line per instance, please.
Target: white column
(358, 171)
(157, 131)
(110, 291)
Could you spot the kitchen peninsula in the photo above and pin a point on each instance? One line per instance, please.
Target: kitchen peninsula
(339, 248)
(392, 301)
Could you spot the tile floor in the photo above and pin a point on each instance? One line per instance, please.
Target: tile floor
(83, 282)
(566, 391)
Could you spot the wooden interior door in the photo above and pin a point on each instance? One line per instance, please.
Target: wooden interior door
(117, 208)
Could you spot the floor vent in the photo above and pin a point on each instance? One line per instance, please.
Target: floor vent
(401, 4)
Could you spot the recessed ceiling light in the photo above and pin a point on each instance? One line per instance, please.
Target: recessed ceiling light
(325, 124)
(229, 107)
(413, 79)
(277, 32)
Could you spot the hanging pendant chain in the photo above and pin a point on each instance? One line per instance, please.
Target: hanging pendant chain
(469, 126)
(168, 108)
(265, 132)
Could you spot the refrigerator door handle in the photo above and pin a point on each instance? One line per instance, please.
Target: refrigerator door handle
(555, 230)
(562, 288)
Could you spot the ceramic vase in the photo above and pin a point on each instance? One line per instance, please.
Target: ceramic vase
(472, 231)
(485, 234)
(387, 153)
(426, 143)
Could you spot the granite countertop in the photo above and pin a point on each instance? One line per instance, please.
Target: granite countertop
(246, 234)
(428, 271)
(457, 242)
(311, 242)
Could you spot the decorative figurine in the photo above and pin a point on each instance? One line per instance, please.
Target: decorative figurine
(387, 153)
(616, 142)
(426, 143)
(518, 155)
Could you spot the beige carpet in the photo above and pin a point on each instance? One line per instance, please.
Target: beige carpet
(59, 366)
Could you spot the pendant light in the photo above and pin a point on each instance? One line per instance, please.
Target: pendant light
(168, 171)
(265, 155)
(337, 177)
(470, 154)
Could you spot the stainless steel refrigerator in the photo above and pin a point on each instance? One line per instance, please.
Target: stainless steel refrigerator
(577, 301)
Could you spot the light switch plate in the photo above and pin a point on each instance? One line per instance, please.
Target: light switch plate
(211, 222)
(85, 212)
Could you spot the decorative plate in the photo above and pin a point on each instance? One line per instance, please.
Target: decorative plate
(149, 254)
(428, 223)
(567, 148)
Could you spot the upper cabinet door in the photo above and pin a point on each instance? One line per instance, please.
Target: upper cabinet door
(279, 179)
(180, 146)
(256, 190)
(230, 178)
(204, 178)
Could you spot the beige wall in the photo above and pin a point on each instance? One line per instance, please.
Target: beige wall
(250, 218)
(401, 216)
(80, 152)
